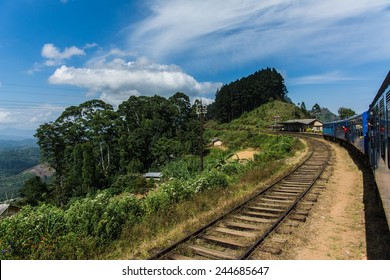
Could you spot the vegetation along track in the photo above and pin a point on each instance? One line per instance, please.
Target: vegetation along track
(262, 221)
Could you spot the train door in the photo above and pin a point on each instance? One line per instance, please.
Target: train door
(382, 124)
(373, 137)
(388, 127)
(365, 132)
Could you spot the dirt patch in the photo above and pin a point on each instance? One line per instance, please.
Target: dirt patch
(247, 154)
(41, 170)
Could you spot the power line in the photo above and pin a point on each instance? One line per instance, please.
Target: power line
(40, 93)
(45, 87)
(33, 102)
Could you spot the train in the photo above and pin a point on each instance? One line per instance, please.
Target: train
(369, 134)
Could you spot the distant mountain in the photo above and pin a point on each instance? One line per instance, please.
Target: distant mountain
(325, 115)
(17, 144)
(16, 134)
(17, 162)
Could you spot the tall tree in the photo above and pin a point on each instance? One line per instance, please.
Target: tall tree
(34, 190)
(345, 113)
(248, 93)
(303, 106)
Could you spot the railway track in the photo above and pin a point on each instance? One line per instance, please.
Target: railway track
(262, 221)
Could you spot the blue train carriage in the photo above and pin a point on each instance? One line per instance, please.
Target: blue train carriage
(328, 130)
(379, 143)
(358, 132)
(353, 130)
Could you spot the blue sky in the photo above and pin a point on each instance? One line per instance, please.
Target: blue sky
(58, 53)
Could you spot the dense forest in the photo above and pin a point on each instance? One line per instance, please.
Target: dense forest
(91, 146)
(16, 160)
(246, 94)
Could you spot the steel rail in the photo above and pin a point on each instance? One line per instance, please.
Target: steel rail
(245, 202)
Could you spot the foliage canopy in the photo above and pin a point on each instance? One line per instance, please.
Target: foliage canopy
(248, 93)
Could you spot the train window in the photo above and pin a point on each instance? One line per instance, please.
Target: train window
(359, 127)
(382, 123)
(388, 127)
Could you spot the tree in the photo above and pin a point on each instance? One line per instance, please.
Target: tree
(63, 145)
(345, 113)
(303, 106)
(248, 93)
(34, 190)
(90, 145)
(316, 110)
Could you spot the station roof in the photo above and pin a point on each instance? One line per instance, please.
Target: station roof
(300, 121)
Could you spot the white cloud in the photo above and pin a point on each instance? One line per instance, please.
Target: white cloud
(29, 117)
(52, 52)
(325, 78)
(56, 57)
(44, 115)
(256, 29)
(116, 79)
(4, 116)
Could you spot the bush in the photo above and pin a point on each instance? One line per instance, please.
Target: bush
(119, 211)
(32, 233)
(182, 168)
(217, 179)
(157, 200)
(132, 183)
(83, 215)
(231, 168)
(177, 190)
(103, 216)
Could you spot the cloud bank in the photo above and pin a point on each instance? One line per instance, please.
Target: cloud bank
(204, 31)
(116, 79)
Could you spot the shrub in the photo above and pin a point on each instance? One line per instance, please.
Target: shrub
(32, 232)
(83, 215)
(157, 200)
(217, 179)
(177, 190)
(231, 168)
(119, 211)
(132, 183)
(182, 168)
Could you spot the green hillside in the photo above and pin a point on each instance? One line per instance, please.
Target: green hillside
(247, 94)
(265, 116)
(15, 158)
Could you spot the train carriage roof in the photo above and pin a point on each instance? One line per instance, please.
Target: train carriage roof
(385, 86)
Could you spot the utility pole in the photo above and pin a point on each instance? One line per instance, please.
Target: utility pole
(201, 111)
(276, 121)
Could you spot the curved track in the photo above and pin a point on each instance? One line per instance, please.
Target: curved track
(236, 234)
